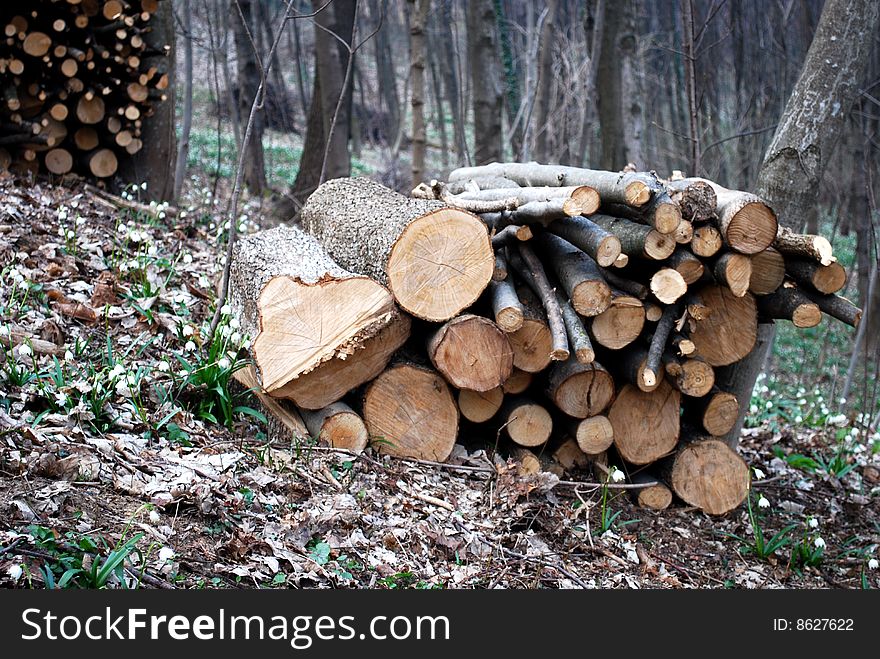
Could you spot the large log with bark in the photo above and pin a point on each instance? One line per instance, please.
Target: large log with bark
(281, 284)
(435, 260)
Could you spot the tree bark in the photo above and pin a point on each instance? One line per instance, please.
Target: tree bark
(795, 161)
(183, 146)
(248, 83)
(419, 14)
(486, 85)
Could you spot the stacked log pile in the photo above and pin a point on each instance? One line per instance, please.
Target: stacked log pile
(78, 78)
(579, 315)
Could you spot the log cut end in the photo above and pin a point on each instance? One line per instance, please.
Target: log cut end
(297, 333)
(620, 324)
(726, 331)
(527, 423)
(646, 425)
(720, 413)
(532, 345)
(440, 264)
(472, 353)
(710, 475)
(480, 406)
(587, 199)
(668, 285)
(637, 193)
(580, 390)
(594, 435)
(654, 497)
(410, 412)
(334, 378)
(806, 315)
(752, 228)
(667, 216)
(768, 272)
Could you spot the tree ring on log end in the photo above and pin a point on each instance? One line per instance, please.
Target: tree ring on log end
(710, 475)
(752, 229)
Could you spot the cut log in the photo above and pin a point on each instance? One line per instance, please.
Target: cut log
(684, 234)
(580, 390)
(337, 425)
(570, 457)
(634, 288)
(37, 44)
(103, 163)
(534, 275)
(789, 303)
(410, 412)
(526, 422)
(86, 138)
(838, 307)
(281, 285)
(633, 366)
(768, 272)
(620, 324)
(668, 285)
(511, 232)
(471, 352)
(506, 307)
(578, 337)
(480, 406)
(593, 435)
(602, 246)
(683, 346)
(747, 223)
(90, 110)
(652, 371)
(646, 424)
(532, 343)
(826, 279)
(578, 273)
(529, 463)
(334, 378)
(653, 312)
(59, 161)
(728, 331)
(633, 189)
(688, 266)
(718, 412)
(661, 212)
(707, 241)
(734, 271)
(692, 377)
(577, 200)
(518, 382)
(710, 475)
(499, 270)
(696, 199)
(654, 496)
(637, 240)
(809, 246)
(435, 260)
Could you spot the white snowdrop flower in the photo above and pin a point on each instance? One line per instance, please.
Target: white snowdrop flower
(180, 298)
(759, 473)
(242, 227)
(190, 346)
(768, 404)
(22, 256)
(820, 399)
(4, 331)
(123, 389)
(225, 332)
(116, 371)
(819, 542)
(204, 282)
(223, 260)
(802, 401)
(24, 350)
(122, 228)
(617, 475)
(70, 234)
(161, 215)
(854, 432)
(765, 389)
(223, 363)
(182, 214)
(68, 356)
(15, 571)
(166, 554)
(814, 523)
(837, 420)
(61, 398)
(22, 284)
(164, 366)
(187, 258)
(842, 400)
(234, 323)
(80, 220)
(801, 391)
(144, 185)
(226, 310)
(187, 330)
(155, 518)
(798, 419)
(873, 564)
(763, 502)
(152, 251)
(235, 338)
(132, 378)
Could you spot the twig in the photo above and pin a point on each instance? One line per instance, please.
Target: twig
(560, 350)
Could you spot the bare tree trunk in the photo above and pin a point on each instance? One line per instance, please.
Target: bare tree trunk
(804, 141)
(486, 85)
(296, 49)
(449, 69)
(620, 116)
(511, 80)
(223, 20)
(153, 163)
(417, 74)
(248, 83)
(280, 86)
(386, 74)
(687, 17)
(331, 59)
(594, 27)
(543, 96)
(183, 146)
(436, 86)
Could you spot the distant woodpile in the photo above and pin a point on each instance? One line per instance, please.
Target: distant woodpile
(579, 314)
(79, 78)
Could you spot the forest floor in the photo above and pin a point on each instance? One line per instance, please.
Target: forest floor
(129, 458)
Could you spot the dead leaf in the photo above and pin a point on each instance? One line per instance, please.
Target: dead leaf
(77, 310)
(51, 331)
(105, 291)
